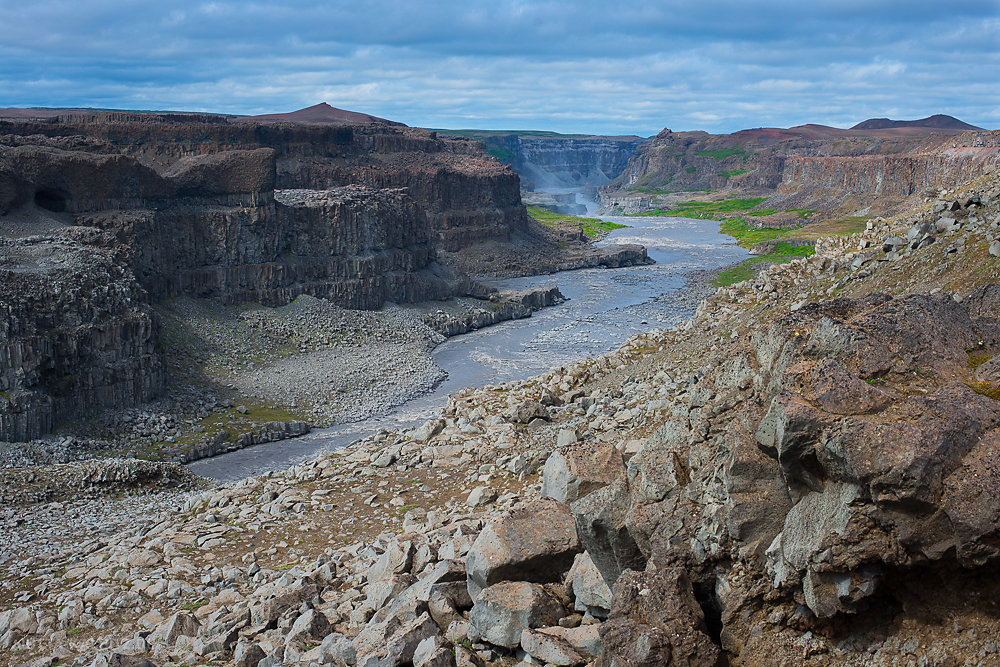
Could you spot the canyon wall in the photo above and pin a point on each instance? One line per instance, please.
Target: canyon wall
(557, 162)
(76, 335)
(467, 197)
(132, 208)
(809, 167)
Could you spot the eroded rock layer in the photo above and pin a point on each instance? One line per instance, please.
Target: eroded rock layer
(153, 206)
(810, 167)
(76, 336)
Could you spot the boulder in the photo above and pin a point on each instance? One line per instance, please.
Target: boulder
(588, 587)
(573, 471)
(177, 626)
(398, 558)
(525, 411)
(503, 611)
(428, 430)
(310, 625)
(656, 621)
(536, 543)
(337, 649)
(549, 649)
(601, 522)
(481, 496)
(382, 591)
(433, 652)
(585, 639)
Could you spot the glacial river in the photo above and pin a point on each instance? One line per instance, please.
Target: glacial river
(605, 307)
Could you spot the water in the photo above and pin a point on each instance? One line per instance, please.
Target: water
(605, 307)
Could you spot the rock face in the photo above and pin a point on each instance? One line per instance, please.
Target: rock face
(569, 162)
(806, 167)
(150, 207)
(76, 336)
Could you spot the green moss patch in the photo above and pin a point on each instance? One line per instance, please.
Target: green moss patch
(592, 227)
(721, 153)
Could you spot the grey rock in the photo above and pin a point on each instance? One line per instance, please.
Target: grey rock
(535, 543)
(481, 496)
(336, 647)
(504, 610)
(310, 625)
(601, 522)
(549, 649)
(177, 626)
(398, 558)
(588, 587)
(576, 470)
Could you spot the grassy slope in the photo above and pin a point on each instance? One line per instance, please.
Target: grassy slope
(592, 227)
(748, 235)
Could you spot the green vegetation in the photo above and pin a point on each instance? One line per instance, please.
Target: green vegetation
(500, 152)
(803, 212)
(592, 227)
(722, 153)
(690, 170)
(747, 269)
(985, 388)
(708, 209)
(747, 236)
(734, 172)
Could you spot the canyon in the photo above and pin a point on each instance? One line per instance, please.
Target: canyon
(872, 169)
(247, 211)
(801, 471)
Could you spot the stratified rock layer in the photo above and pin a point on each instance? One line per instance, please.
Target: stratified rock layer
(76, 335)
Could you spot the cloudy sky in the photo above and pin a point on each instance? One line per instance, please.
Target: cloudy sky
(594, 67)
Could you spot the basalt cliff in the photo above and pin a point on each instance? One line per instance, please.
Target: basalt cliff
(145, 207)
(803, 473)
(874, 168)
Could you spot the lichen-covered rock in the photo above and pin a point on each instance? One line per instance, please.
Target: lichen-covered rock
(536, 543)
(656, 622)
(503, 611)
(574, 471)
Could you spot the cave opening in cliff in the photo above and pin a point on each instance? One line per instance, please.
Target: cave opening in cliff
(52, 199)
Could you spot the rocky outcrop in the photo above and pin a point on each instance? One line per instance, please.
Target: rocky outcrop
(467, 197)
(76, 336)
(834, 171)
(509, 305)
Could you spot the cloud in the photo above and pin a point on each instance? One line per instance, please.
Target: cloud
(582, 66)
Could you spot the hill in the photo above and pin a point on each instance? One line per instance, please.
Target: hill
(319, 113)
(937, 121)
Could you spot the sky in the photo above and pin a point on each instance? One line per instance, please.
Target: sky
(577, 67)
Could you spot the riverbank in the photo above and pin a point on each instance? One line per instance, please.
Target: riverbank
(242, 376)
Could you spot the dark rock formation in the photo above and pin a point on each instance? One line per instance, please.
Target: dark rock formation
(850, 450)
(76, 336)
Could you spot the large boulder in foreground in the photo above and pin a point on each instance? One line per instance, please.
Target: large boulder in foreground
(536, 543)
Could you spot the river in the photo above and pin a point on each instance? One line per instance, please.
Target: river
(605, 307)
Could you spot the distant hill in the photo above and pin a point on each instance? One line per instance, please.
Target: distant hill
(319, 113)
(937, 121)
